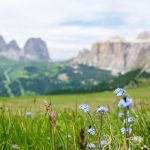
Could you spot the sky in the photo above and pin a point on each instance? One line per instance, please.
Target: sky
(68, 26)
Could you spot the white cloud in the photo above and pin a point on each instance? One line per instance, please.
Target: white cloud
(21, 19)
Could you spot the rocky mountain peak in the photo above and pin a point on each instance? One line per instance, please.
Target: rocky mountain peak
(36, 49)
(118, 55)
(3, 44)
(13, 46)
(144, 35)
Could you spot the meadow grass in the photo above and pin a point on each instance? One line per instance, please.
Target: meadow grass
(38, 131)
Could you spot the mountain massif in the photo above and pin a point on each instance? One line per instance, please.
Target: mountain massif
(34, 49)
(92, 70)
(117, 54)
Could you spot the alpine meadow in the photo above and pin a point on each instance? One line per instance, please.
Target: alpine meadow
(74, 75)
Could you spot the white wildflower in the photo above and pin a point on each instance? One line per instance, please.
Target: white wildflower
(138, 139)
(128, 131)
(120, 92)
(130, 120)
(15, 146)
(68, 136)
(84, 107)
(102, 110)
(125, 103)
(91, 146)
(145, 147)
(28, 114)
(91, 131)
(121, 115)
(103, 143)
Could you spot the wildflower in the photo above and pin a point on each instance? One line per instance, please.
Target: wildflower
(120, 92)
(15, 146)
(121, 115)
(91, 146)
(125, 104)
(102, 110)
(28, 114)
(138, 139)
(124, 130)
(84, 107)
(103, 143)
(68, 136)
(91, 131)
(130, 120)
(145, 147)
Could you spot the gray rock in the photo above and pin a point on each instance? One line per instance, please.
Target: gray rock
(3, 45)
(36, 49)
(118, 55)
(13, 46)
(144, 35)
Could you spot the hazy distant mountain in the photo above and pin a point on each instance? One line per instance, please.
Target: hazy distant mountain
(117, 54)
(3, 45)
(34, 49)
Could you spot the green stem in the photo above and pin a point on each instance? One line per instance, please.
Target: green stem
(126, 128)
(93, 123)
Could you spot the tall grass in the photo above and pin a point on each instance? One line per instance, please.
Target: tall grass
(35, 132)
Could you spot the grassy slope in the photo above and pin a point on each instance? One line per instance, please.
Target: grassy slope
(22, 78)
(70, 101)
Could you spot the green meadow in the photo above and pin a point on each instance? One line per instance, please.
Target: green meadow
(71, 100)
(55, 122)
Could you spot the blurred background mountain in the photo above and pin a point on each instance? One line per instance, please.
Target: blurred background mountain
(112, 63)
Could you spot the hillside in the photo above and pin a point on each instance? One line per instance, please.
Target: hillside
(39, 78)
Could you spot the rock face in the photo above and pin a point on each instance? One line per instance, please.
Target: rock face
(117, 54)
(10, 50)
(34, 49)
(3, 45)
(12, 45)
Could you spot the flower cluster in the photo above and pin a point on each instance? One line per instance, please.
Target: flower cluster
(28, 114)
(125, 103)
(121, 115)
(124, 131)
(91, 146)
(120, 92)
(102, 110)
(103, 143)
(84, 107)
(91, 131)
(138, 139)
(15, 146)
(95, 131)
(130, 120)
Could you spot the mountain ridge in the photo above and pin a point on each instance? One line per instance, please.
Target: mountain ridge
(118, 55)
(34, 49)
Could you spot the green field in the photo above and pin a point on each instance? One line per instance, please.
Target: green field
(63, 126)
(67, 101)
